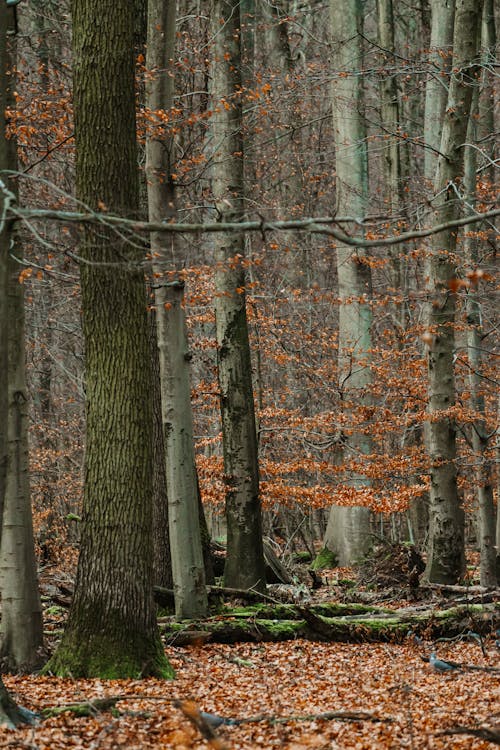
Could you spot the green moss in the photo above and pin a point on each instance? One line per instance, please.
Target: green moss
(334, 609)
(281, 630)
(302, 557)
(324, 559)
(109, 659)
(55, 610)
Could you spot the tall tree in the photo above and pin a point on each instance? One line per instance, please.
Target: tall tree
(348, 531)
(480, 434)
(446, 556)
(245, 559)
(10, 713)
(182, 486)
(112, 629)
(21, 625)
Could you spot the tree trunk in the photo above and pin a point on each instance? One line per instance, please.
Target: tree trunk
(390, 116)
(436, 93)
(479, 433)
(348, 530)
(182, 486)
(112, 630)
(162, 563)
(4, 253)
(446, 557)
(245, 560)
(10, 714)
(21, 625)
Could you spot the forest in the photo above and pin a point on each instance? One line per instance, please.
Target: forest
(249, 405)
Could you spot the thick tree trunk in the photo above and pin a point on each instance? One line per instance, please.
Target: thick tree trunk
(446, 558)
(348, 531)
(182, 486)
(112, 630)
(245, 560)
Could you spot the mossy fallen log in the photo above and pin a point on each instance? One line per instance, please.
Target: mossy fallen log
(332, 622)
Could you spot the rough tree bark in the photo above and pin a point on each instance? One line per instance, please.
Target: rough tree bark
(446, 556)
(245, 560)
(112, 629)
(348, 531)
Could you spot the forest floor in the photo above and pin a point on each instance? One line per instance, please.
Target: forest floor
(382, 695)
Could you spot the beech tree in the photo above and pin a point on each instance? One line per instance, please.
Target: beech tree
(244, 566)
(446, 555)
(480, 434)
(348, 531)
(10, 713)
(182, 485)
(111, 629)
(21, 625)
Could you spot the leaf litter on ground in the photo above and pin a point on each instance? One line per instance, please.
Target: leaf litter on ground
(407, 703)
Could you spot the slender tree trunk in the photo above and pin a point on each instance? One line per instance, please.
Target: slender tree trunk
(4, 252)
(390, 116)
(162, 562)
(436, 90)
(480, 436)
(112, 629)
(245, 560)
(21, 625)
(10, 714)
(348, 530)
(182, 486)
(446, 557)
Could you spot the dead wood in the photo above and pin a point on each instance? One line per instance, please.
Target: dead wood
(335, 622)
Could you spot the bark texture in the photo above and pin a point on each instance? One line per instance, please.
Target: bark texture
(446, 557)
(348, 530)
(245, 560)
(112, 630)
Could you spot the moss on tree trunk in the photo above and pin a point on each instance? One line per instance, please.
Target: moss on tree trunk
(112, 629)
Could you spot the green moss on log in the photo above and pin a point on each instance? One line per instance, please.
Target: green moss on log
(324, 559)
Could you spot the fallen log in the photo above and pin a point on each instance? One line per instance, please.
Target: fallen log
(333, 622)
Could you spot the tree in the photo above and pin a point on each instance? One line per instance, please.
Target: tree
(112, 629)
(245, 559)
(348, 530)
(182, 485)
(480, 434)
(21, 626)
(436, 94)
(10, 713)
(446, 557)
